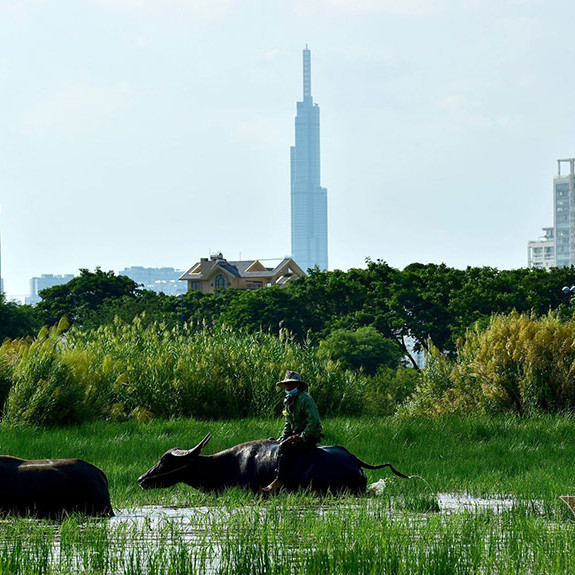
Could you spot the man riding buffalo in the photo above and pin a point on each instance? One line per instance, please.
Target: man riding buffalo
(302, 429)
(294, 461)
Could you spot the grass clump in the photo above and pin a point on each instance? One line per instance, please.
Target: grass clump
(517, 364)
(45, 390)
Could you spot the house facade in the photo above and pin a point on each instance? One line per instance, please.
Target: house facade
(215, 273)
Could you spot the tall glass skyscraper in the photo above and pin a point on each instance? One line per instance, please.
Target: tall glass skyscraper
(308, 198)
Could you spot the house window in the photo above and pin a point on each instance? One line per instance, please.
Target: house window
(220, 281)
(196, 285)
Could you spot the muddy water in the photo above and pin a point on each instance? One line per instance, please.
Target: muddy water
(152, 536)
(193, 520)
(192, 517)
(451, 503)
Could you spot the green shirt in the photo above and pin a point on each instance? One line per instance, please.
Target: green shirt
(301, 417)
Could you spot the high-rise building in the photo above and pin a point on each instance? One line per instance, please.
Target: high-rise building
(541, 252)
(37, 284)
(564, 214)
(308, 198)
(160, 280)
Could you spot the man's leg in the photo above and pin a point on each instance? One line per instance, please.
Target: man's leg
(287, 453)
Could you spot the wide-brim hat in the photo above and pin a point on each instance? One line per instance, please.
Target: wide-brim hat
(293, 377)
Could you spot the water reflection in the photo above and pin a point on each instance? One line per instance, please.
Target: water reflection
(456, 502)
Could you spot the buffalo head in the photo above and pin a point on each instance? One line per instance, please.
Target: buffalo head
(172, 467)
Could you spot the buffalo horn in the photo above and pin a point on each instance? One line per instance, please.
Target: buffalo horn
(198, 449)
(204, 441)
(194, 451)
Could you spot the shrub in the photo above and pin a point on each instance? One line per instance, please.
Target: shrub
(518, 364)
(44, 390)
(389, 388)
(5, 380)
(433, 384)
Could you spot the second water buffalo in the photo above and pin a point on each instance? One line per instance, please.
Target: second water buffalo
(51, 488)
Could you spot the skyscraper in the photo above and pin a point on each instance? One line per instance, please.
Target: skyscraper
(564, 214)
(308, 198)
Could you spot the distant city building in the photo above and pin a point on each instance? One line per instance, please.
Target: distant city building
(557, 247)
(215, 273)
(160, 280)
(37, 284)
(541, 253)
(308, 198)
(564, 215)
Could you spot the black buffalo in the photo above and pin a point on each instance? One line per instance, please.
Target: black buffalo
(252, 466)
(51, 488)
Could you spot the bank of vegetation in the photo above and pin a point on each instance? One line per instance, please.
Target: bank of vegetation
(99, 347)
(517, 364)
(125, 371)
(422, 302)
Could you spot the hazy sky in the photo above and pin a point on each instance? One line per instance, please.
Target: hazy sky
(153, 132)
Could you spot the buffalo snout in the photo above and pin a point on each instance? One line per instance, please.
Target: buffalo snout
(146, 481)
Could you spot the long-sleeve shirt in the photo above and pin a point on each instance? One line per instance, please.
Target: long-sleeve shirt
(301, 418)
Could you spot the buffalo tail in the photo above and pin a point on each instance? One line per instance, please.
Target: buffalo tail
(398, 473)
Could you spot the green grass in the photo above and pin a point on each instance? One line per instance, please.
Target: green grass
(401, 531)
(528, 458)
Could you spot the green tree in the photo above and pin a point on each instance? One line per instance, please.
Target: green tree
(150, 306)
(344, 300)
(83, 295)
(207, 309)
(363, 349)
(17, 320)
(271, 310)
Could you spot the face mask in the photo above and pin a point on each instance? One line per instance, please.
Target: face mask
(292, 392)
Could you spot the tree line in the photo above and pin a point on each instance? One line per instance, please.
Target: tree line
(364, 317)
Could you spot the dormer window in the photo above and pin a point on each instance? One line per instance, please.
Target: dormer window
(220, 282)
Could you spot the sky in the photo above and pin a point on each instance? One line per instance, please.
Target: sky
(155, 132)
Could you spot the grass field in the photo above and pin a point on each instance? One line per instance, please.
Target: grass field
(179, 530)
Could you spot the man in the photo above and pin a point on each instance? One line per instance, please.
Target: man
(302, 429)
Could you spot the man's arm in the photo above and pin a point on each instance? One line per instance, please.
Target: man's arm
(313, 426)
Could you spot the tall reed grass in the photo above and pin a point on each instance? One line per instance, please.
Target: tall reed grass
(128, 370)
(516, 364)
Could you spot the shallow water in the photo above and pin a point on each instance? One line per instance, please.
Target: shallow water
(202, 539)
(192, 516)
(455, 502)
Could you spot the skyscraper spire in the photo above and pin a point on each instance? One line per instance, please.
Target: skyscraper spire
(307, 75)
(308, 198)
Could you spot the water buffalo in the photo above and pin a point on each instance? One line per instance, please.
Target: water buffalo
(50, 488)
(252, 465)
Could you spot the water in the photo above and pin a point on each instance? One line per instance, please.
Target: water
(452, 503)
(202, 539)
